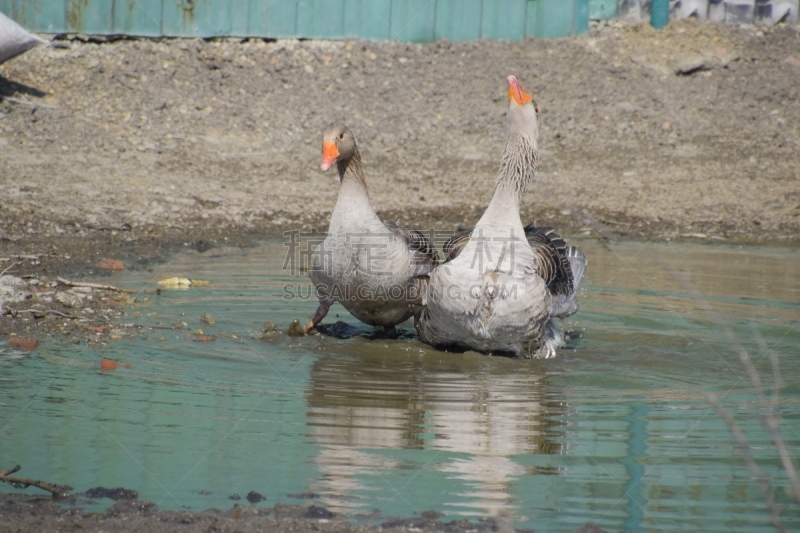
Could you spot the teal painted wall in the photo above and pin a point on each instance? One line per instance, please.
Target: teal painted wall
(401, 20)
(602, 9)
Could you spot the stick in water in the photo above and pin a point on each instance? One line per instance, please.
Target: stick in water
(57, 491)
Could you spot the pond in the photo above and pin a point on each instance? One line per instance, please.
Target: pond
(617, 431)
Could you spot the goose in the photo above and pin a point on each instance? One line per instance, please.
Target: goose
(501, 285)
(377, 271)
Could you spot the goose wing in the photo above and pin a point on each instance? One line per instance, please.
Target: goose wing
(560, 266)
(552, 262)
(455, 244)
(423, 255)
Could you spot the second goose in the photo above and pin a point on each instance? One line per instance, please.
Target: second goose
(377, 271)
(503, 284)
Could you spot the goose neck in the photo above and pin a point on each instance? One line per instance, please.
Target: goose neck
(520, 159)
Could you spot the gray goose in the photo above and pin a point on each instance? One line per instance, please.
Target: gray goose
(502, 284)
(377, 271)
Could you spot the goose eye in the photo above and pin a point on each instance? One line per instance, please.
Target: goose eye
(341, 136)
(536, 108)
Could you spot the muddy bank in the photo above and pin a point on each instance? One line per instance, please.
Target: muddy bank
(42, 514)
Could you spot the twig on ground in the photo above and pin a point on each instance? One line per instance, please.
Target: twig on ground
(26, 102)
(92, 285)
(23, 483)
(44, 312)
(9, 267)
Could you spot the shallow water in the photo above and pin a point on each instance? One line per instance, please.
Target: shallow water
(618, 431)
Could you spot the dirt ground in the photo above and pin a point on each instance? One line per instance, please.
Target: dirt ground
(33, 515)
(189, 139)
(131, 149)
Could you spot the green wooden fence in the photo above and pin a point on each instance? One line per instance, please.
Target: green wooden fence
(402, 20)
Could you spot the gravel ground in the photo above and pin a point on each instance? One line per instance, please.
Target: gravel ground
(131, 149)
(34, 515)
(178, 137)
(43, 515)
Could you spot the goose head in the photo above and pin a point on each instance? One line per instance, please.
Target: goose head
(523, 113)
(338, 144)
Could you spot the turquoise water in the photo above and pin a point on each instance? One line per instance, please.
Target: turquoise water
(617, 431)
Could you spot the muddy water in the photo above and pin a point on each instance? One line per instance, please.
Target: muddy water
(617, 431)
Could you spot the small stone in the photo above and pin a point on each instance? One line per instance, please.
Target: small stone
(207, 320)
(12, 290)
(691, 64)
(68, 299)
(254, 497)
(110, 264)
(666, 126)
(23, 344)
(319, 512)
(117, 494)
(234, 497)
(726, 59)
(127, 507)
(268, 332)
(304, 495)
(198, 331)
(12, 281)
(791, 61)
(175, 283)
(295, 329)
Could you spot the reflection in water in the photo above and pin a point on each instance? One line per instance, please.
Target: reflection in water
(482, 417)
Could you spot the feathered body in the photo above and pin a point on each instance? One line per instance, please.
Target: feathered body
(503, 283)
(377, 271)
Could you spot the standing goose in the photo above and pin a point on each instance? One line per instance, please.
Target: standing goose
(377, 271)
(502, 284)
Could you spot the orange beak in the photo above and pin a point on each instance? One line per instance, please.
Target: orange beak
(329, 155)
(516, 92)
